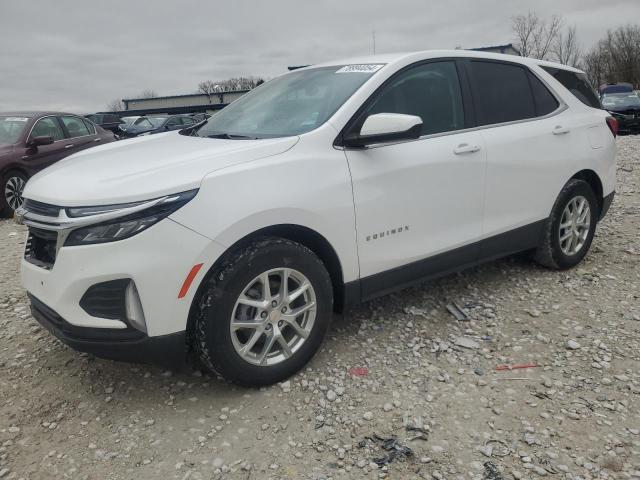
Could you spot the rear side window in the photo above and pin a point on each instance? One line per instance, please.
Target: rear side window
(577, 84)
(544, 100)
(502, 92)
(75, 126)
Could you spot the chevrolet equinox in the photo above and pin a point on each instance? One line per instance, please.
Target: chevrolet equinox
(234, 241)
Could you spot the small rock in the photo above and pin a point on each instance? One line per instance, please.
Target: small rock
(573, 345)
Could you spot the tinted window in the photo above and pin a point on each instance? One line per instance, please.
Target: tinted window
(502, 92)
(543, 99)
(49, 127)
(430, 91)
(75, 126)
(173, 122)
(577, 84)
(95, 118)
(186, 120)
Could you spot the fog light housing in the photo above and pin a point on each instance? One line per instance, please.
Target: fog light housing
(133, 308)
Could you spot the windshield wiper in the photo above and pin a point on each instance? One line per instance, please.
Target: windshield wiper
(230, 136)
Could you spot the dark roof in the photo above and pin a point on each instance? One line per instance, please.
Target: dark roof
(34, 113)
(496, 47)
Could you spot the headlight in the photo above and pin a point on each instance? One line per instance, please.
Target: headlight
(126, 226)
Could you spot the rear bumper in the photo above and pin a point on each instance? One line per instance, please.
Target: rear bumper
(123, 344)
(606, 204)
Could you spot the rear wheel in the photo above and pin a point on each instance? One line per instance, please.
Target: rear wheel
(570, 228)
(263, 313)
(11, 188)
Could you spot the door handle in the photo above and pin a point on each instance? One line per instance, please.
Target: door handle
(69, 146)
(560, 130)
(466, 148)
(97, 139)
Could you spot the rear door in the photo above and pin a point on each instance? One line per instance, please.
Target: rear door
(44, 155)
(420, 198)
(81, 134)
(529, 140)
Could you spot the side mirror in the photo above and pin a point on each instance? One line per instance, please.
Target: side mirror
(41, 140)
(385, 127)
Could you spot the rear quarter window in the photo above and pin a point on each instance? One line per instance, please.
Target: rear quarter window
(577, 84)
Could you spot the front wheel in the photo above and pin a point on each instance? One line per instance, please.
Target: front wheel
(263, 313)
(11, 189)
(569, 230)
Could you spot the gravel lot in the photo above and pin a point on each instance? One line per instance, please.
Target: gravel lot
(401, 366)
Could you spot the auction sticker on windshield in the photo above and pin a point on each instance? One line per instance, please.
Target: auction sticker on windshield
(364, 68)
(16, 119)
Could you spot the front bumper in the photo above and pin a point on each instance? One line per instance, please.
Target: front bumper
(127, 344)
(156, 260)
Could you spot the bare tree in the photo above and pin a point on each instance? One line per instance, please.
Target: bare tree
(566, 48)
(209, 87)
(615, 58)
(534, 35)
(115, 105)
(148, 93)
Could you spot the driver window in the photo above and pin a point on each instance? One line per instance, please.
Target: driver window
(47, 127)
(430, 91)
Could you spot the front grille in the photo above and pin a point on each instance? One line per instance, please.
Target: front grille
(40, 208)
(40, 248)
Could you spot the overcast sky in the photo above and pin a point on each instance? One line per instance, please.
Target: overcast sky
(78, 55)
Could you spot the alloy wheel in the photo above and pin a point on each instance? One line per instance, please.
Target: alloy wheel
(13, 192)
(273, 316)
(574, 225)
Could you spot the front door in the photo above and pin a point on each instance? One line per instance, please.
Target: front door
(44, 155)
(419, 203)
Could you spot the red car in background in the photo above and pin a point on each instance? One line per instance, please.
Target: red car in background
(31, 141)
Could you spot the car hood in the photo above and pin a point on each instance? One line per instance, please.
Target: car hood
(143, 168)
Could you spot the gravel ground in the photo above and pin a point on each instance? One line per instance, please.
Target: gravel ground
(399, 367)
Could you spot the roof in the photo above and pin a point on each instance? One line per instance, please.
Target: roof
(407, 57)
(34, 113)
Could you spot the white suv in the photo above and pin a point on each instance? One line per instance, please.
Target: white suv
(238, 238)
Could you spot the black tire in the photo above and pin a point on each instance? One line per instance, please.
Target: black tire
(6, 210)
(214, 307)
(549, 253)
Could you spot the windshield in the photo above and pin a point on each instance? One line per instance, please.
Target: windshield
(292, 104)
(11, 128)
(621, 100)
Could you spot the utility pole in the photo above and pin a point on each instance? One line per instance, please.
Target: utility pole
(373, 34)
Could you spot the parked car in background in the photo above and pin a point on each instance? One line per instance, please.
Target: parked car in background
(625, 107)
(131, 120)
(238, 238)
(108, 121)
(156, 124)
(619, 87)
(200, 117)
(31, 141)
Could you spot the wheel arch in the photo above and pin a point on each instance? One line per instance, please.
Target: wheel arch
(306, 236)
(594, 181)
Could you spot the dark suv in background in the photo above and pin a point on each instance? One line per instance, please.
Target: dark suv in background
(31, 141)
(108, 121)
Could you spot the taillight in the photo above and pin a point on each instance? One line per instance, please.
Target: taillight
(612, 123)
